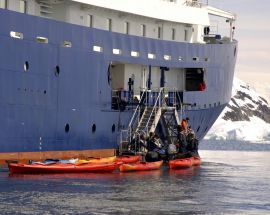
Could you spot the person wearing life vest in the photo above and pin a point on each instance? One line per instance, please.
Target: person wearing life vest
(184, 124)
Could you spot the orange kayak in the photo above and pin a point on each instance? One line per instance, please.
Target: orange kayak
(61, 168)
(128, 159)
(196, 161)
(97, 160)
(140, 166)
(181, 163)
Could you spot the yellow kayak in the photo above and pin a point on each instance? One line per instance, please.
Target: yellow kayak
(97, 160)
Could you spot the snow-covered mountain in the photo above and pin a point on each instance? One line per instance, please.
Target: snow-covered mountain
(246, 118)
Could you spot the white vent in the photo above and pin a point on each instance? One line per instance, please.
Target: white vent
(16, 35)
(151, 56)
(167, 57)
(134, 54)
(42, 40)
(67, 44)
(117, 51)
(97, 49)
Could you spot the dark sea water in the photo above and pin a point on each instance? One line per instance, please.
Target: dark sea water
(227, 182)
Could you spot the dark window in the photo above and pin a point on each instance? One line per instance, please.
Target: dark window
(57, 71)
(67, 128)
(113, 128)
(94, 128)
(26, 66)
(198, 128)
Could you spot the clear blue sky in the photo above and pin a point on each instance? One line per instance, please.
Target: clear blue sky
(253, 35)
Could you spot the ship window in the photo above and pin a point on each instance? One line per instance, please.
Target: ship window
(126, 27)
(180, 58)
(206, 129)
(94, 128)
(186, 35)
(16, 35)
(109, 24)
(89, 20)
(42, 40)
(195, 59)
(57, 71)
(167, 57)
(113, 128)
(3, 4)
(23, 6)
(67, 127)
(219, 103)
(206, 59)
(134, 54)
(195, 79)
(173, 34)
(117, 51)
(151, 56)
(159, 32)
(66, 44)
(234, 52)
(26, 66)
(45, 91)
(143, 30)
(198, 128)
(97, 49)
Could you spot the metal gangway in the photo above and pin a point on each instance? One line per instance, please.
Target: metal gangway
(154, 107)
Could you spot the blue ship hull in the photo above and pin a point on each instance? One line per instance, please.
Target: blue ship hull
(36, 105)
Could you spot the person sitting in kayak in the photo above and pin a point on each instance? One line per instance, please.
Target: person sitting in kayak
(192, 144)
(181, 137)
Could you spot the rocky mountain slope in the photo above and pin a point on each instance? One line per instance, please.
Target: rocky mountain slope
(246, 118)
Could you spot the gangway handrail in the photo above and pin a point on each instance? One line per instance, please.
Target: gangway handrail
(154, 107)
(137, 108)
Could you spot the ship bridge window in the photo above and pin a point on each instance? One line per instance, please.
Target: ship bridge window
(117, 51)
(66, 44)
(16, 35)
(97, 49)
(151, 56)
(42, 40)
(134, 54)
(195, 79)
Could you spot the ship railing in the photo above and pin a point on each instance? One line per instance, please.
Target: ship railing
(160, 102)
(194, 3)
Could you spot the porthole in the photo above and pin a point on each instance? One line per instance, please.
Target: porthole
(113, 128)
(44, 91)
(94, 128)
(57, 71)
(26, 66)
(67, 127)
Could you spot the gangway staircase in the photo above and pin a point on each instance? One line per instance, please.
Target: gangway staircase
(145, 120)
